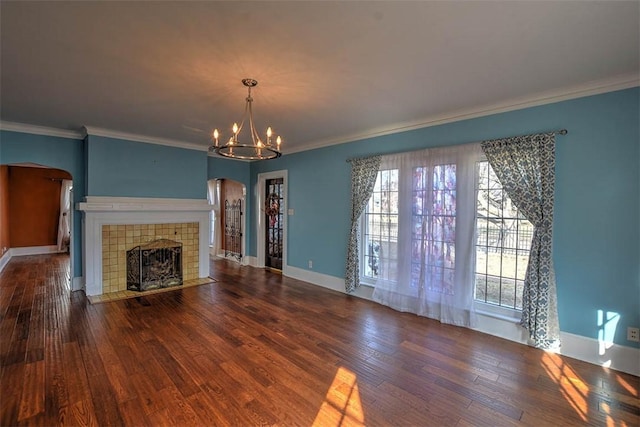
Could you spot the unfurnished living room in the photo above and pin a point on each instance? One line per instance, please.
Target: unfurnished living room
(320, 213)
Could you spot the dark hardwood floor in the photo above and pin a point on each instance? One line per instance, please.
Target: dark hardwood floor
(259, 349)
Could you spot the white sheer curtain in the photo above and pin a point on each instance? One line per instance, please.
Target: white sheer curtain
(63, 221)
(214, 200)
(433, 274)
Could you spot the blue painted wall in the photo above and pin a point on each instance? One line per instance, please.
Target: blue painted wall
(117, 167)
(597, 208)
(61, 153)
(597, 214)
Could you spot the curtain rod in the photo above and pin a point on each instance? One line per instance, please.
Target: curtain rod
(557, 132)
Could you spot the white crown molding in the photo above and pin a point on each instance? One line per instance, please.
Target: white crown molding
(40, 130)
(107, 133)
(595, 87)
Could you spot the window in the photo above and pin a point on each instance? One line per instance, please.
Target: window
(381, 227)
(433, 217)
(503, 241)
(425, 198)
(433, 227)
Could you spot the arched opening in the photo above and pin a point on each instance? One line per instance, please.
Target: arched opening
(227, 237)
(36, 211)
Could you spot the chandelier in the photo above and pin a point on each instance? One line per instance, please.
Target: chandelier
(257, 149)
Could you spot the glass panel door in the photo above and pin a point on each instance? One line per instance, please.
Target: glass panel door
(274, 216)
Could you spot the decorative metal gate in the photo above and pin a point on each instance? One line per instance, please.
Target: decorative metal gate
(233, 228)
(274, 211)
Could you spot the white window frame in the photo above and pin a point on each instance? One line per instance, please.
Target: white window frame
(489, 309)
(483, 308)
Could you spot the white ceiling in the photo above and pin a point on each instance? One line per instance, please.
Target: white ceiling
(327, 71)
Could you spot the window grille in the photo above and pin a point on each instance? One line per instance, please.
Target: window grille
(503, 241)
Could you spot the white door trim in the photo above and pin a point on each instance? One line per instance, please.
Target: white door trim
(72, 235)
(260, 223)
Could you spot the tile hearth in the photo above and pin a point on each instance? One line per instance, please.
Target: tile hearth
(119, 295)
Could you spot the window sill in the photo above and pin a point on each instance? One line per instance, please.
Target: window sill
(367, 281)
(506, 314)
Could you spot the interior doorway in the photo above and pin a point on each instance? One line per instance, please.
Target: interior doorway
(272, 220)
(274, 224)
(36, 212)
(226, 239)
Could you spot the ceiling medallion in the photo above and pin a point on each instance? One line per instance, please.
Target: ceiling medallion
(257, 149)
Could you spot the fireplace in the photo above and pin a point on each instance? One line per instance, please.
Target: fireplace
(113, 225)
(157, 264)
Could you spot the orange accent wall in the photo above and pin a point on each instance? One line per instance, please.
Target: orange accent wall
(34, 205)
(5, 243)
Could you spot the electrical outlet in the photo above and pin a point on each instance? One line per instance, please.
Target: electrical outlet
(310, 264)
(633, 334)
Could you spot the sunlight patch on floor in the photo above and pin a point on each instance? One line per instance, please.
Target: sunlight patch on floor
(342, 405)
(573, 389)
(629, 387)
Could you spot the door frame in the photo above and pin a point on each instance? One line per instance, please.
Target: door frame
(72, 246)
(260, 220)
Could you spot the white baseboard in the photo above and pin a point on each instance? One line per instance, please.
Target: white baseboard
(503, 328)
(326, 281)
(77, 284)
(28, 250)
(618, 357)
(34, 250)
(4, 260)
(250, 260)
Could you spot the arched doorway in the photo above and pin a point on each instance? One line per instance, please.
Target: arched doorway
(227, 237)
(36, 213)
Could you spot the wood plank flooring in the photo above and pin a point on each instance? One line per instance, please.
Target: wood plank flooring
(257, 348)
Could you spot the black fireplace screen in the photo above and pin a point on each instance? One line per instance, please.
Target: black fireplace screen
(157, 264)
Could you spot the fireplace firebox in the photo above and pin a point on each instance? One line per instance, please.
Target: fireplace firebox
(157, 264)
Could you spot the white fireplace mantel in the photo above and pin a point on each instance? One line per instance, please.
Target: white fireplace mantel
(98, 211)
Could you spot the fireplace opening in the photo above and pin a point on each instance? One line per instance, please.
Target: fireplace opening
(157, 264)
